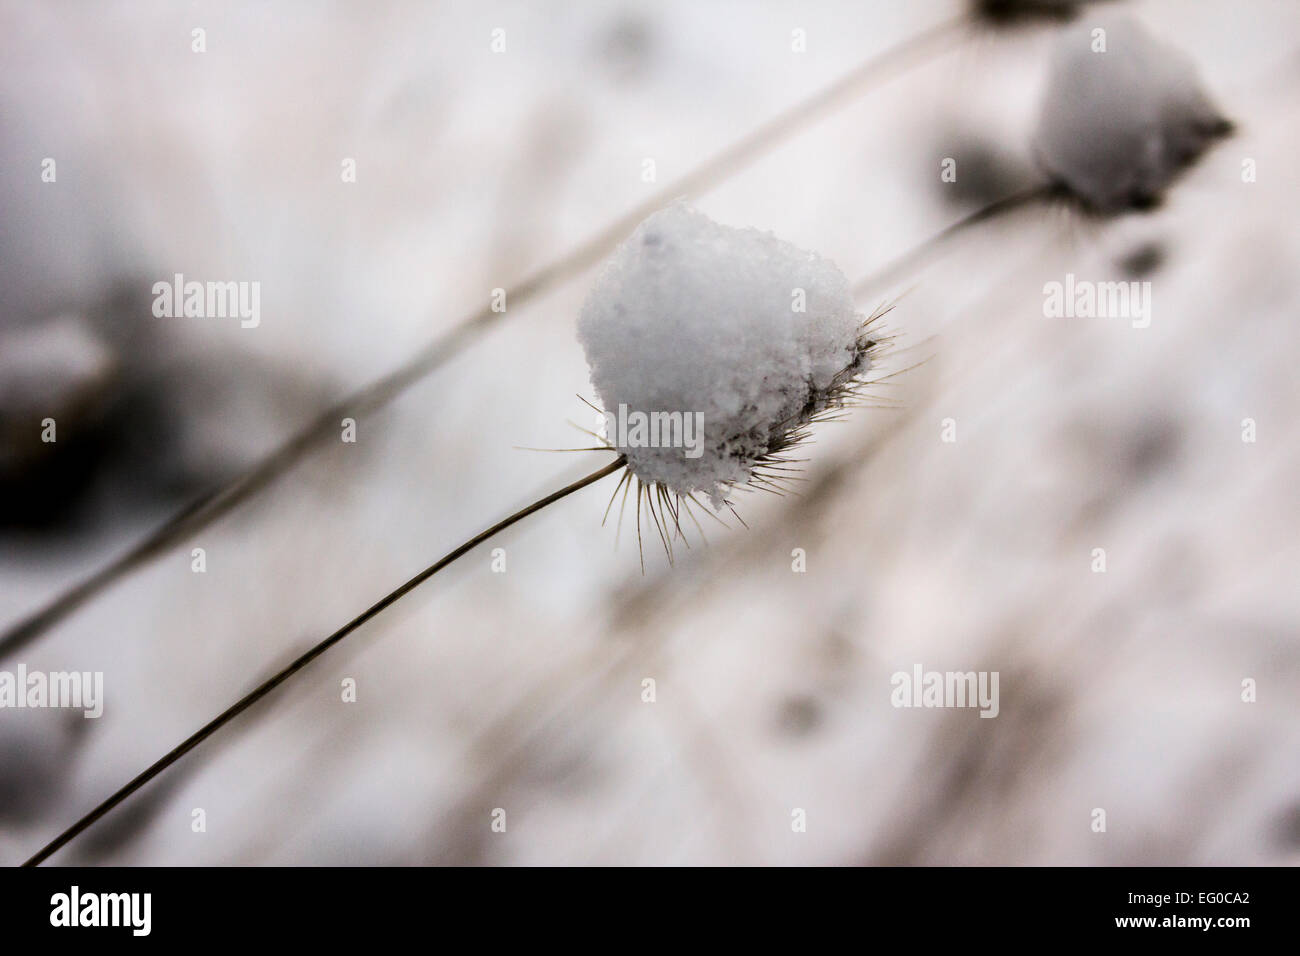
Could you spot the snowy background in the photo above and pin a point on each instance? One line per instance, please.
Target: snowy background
(523, 690)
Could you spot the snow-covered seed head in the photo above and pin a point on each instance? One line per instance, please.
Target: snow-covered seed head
(740, 334)
(1123, 113)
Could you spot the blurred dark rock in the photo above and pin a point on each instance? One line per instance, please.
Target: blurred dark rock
(142, 415)
(56, 382)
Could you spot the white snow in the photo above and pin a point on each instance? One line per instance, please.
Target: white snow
(1116, 126)
(692, 316)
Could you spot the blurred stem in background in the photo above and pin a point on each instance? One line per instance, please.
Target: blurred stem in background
(211, 506)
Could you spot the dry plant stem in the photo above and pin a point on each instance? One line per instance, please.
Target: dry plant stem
(207, 509)
(248, 700)
(917, 255)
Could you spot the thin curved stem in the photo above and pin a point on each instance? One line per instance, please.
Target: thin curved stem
(249, 699)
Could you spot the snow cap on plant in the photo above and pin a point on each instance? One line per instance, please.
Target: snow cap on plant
(757, 336)
(1122, 114)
